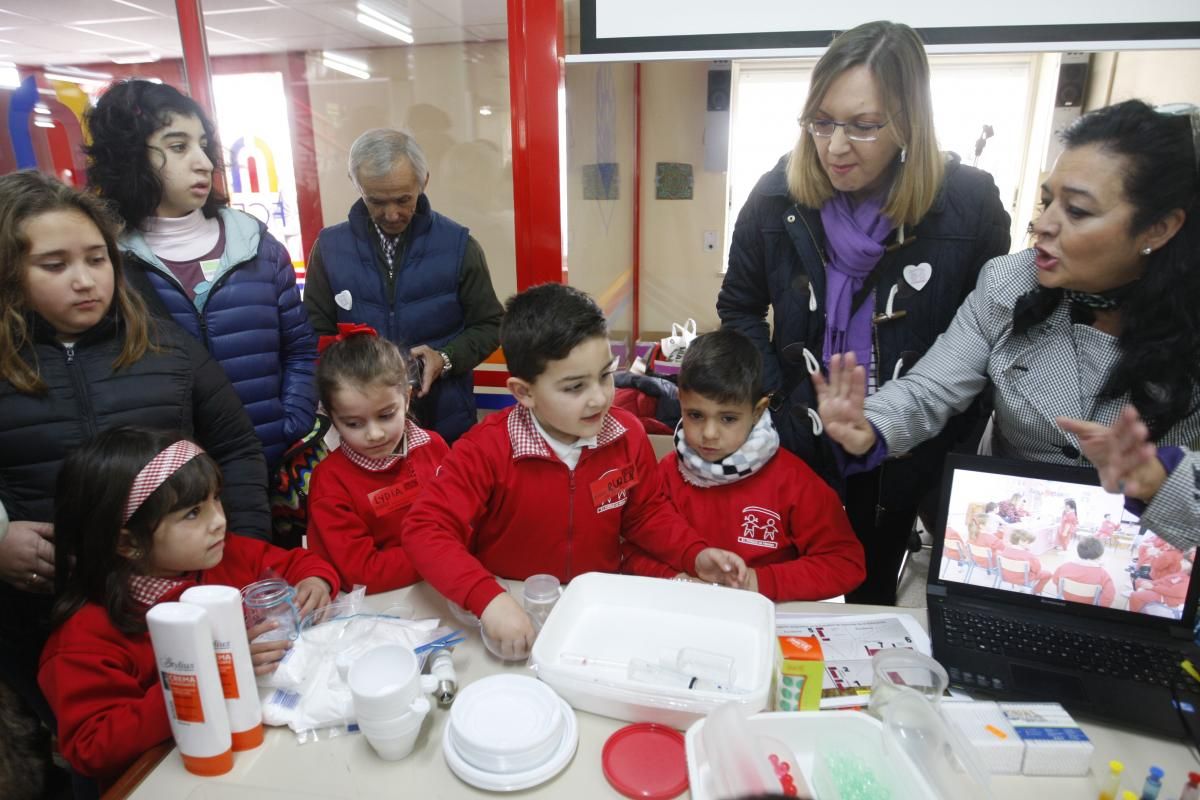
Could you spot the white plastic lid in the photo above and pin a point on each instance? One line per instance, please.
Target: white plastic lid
(542, 588)
(505, 715)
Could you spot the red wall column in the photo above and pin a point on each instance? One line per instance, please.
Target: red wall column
(195, 54)
(536, 78)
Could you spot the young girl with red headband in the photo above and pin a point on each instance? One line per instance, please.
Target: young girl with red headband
(137, 521)
(361, 492)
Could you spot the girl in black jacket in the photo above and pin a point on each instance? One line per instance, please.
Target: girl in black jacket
(864, 239)
(79, 355)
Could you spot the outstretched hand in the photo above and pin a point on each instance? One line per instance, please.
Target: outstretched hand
(1123, 454)
(840, 400)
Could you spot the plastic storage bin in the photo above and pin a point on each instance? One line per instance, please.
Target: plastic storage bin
(602, 622)
(811, 735)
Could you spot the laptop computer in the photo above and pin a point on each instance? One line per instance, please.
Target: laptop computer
(1043, 587)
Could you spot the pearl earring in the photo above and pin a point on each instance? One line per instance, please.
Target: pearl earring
(1147, 251)
(903, 154)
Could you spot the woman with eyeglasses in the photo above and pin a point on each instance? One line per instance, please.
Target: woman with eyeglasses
(1088, 343)
(864, 239)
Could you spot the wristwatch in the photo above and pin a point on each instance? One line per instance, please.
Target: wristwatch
(446, 362)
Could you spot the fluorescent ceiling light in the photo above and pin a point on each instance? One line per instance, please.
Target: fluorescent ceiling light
(79, 79)
(345, 64)
(135, 58)
(139, 8)
(485, 111)
(78, 72)
(43, 123)
(239, 10)
(384, 24)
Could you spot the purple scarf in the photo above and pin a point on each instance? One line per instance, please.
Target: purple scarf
(854, 236)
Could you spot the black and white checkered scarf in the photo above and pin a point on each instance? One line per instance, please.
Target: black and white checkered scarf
(760, 446)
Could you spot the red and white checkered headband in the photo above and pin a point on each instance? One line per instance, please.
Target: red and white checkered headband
(152, 476)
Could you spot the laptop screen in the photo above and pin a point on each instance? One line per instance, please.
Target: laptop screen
(1051, 532)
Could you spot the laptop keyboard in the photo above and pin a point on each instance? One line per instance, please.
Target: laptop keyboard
(1122, 659)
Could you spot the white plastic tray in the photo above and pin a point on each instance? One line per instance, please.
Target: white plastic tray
(613, 618)
(804, 732)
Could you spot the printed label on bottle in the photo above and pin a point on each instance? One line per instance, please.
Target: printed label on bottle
(229, 683)
(184, 691)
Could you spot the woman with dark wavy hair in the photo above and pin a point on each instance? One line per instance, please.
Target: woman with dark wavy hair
(1091, 338)
(216, 271)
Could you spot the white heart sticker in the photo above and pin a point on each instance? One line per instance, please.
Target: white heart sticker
(345, 301)
(917, 275)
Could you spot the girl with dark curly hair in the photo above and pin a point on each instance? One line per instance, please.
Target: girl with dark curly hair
(1090, 339)
(216, 271)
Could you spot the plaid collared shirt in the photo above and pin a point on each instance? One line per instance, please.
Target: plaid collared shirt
(147, 590)
(414, 437)
(389, 244)
(526, 441)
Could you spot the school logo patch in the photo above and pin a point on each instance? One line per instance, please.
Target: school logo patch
(611, 490)
(760, 527)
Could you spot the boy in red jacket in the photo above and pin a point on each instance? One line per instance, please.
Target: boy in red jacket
(729, 475)
(552, 484)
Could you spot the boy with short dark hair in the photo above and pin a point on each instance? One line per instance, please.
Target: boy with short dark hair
(729, 477)
(552, 484)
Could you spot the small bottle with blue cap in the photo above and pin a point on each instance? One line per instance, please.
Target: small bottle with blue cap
(1153, 784)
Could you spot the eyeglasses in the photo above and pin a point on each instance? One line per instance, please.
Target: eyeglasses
(855, 131)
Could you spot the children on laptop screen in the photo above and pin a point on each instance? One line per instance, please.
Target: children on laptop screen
(552, 484)
(730, 479)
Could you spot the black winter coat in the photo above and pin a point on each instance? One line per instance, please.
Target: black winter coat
(179, 388)
(777, 261)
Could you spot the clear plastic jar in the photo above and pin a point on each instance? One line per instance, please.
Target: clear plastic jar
(272, 599)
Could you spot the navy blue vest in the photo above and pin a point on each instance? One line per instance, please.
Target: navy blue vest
(424, 308)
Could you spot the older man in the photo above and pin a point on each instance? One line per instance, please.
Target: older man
(414, 275)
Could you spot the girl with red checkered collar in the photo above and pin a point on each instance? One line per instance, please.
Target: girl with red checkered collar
(137, 521)
(360, 494)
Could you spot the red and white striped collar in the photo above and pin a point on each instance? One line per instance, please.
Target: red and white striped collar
(414, 436)
(148, 590)
(526, 441)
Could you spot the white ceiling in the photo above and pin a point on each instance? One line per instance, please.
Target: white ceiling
(37, 32)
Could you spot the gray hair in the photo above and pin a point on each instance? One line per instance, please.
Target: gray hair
(376, 152)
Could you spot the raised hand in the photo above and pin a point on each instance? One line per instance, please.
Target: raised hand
(840, 400)
(1123, 454)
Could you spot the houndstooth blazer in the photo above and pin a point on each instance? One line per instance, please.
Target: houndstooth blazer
(1056, 368)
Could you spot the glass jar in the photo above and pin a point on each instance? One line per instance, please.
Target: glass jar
(272, 600)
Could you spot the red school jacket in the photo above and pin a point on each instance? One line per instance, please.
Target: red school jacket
(504, 505)
(784, 521)
(357, 511)
(103, 684)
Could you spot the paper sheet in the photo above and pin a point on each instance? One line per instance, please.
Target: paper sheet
(848, 643)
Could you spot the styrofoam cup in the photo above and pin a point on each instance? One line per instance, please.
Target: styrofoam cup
(394, 739)
(384, 682)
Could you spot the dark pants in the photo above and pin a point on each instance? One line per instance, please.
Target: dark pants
(884, 534)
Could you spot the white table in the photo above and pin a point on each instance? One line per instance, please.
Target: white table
(346, 767)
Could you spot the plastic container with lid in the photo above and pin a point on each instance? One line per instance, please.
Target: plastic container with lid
(539, 595)
(603, 622)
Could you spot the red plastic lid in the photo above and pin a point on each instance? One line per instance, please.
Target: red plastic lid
(646, 760)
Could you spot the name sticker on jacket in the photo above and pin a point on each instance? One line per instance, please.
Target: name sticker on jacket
(391, 498)
(609, 491)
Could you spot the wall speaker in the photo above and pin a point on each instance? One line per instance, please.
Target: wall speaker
(1072, 83)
